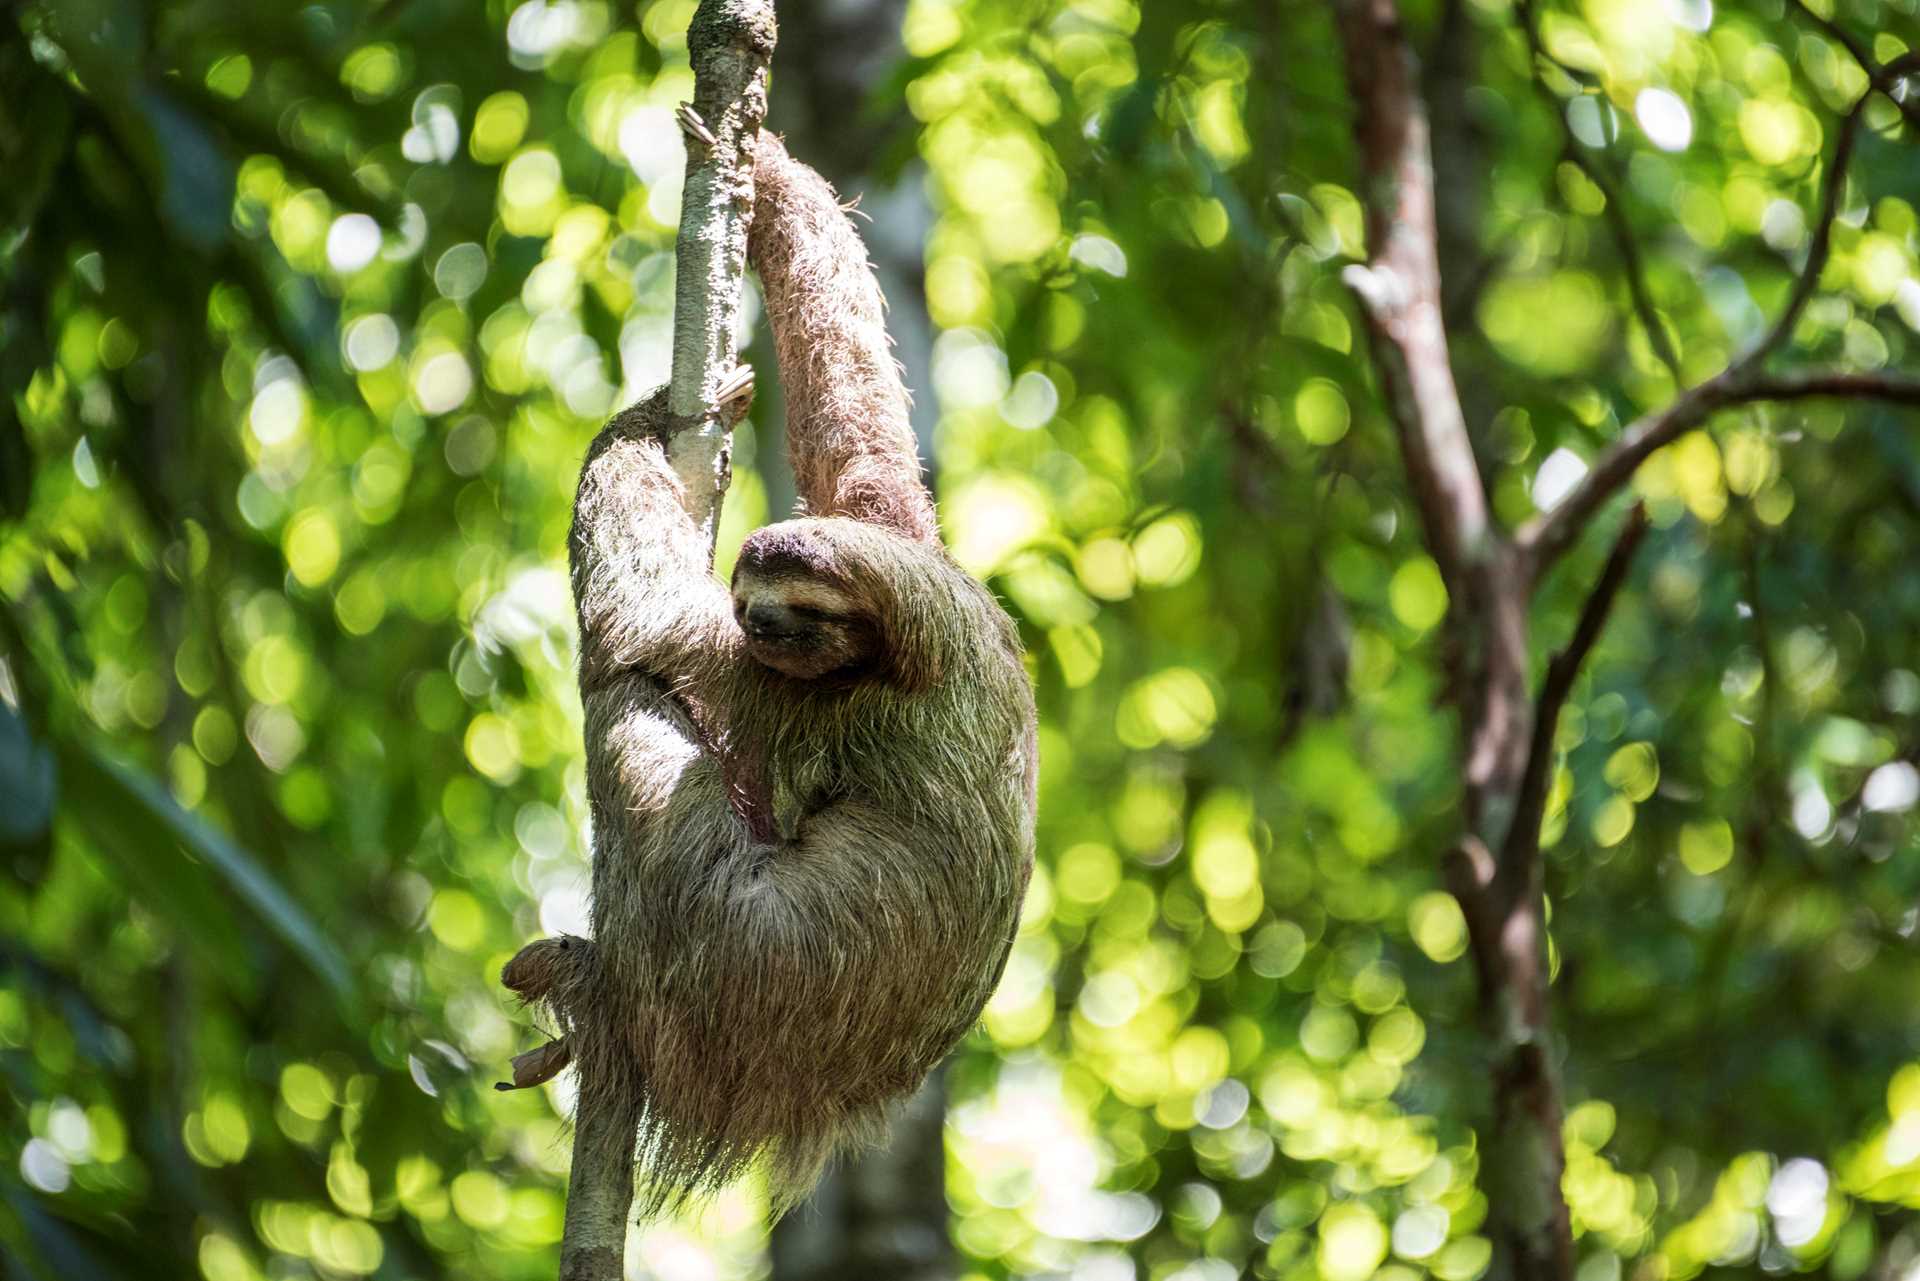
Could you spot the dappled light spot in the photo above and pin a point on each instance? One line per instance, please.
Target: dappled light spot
(1612, 821)
(498, 127)
(992, 517)
(441, 381)
(278, 415)
(460, 271)
(1706, 847)
(1438, 926)
(969, 370)
(1167, 552)
(1559, 472)
(370, 342)
(650, 142)
(1032, 402)
(1099, 253)
(1353, 1242)
(493, 746)
(1778, 130)
(1078, 650)
(1665, 118)
(1105, 567)
(456, 919)
(1514, 307)
(1893, 788)
(1320, 412)
(1174, 706)
(352, 242)
(312, 547)
(1417, 594)
(530, 192)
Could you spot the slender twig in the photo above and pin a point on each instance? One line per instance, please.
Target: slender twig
(1808, 280)
(1542, 539)
(1523, 840)
(1615, 211)
(730, 43)
(1886, 77)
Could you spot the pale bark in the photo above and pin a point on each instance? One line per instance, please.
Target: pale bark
(731, 44)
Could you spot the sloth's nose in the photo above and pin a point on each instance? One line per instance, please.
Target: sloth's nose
(770, 618)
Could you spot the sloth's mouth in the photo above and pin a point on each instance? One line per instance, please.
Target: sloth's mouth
(777, 624)
(786, 638)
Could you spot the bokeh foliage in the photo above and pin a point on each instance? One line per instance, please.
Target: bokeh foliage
(310, 311)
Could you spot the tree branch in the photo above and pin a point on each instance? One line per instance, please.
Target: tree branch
(1523, 840)
(1886, 77)
(731, 44)
(1809, 278)
(1399, 287)
(1542, 539)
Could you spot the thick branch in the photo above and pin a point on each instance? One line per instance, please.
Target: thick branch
(1523, 840)
(1399, 288)
(731, 44)
(1546, 536)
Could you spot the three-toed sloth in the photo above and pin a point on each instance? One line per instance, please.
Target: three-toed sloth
(812, 794)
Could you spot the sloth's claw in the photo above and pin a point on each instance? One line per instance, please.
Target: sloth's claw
(692, 125)
(538, 1065)
(735, 395)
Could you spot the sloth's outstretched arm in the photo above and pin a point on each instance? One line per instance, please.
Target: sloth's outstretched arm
(643, 579)
(848, 433)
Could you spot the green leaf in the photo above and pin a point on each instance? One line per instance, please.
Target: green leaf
(133, 819)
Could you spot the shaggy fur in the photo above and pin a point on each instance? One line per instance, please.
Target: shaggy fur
(804, 890)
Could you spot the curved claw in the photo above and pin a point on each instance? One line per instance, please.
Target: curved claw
(735, 394)
(538, 1065)
(693, 126)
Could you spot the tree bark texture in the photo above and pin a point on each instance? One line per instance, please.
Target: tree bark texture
(731, 44)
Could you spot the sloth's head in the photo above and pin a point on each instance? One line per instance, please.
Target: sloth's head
(805, 601)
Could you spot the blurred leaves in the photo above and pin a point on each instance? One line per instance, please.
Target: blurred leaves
(160, 845)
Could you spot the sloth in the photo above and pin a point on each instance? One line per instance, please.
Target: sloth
(812, 792)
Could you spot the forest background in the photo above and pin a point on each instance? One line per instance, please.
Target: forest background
(308, 311)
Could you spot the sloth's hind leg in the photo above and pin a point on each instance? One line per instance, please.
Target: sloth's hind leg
(558, 975)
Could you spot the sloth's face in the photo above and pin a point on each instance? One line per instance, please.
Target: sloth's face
(795, 609)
